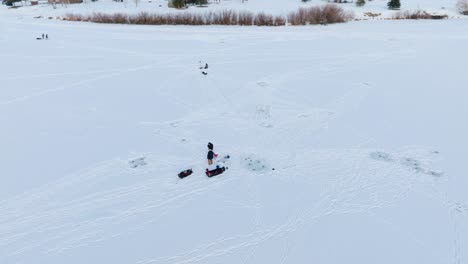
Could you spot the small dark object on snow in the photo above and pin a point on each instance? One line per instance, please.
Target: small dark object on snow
(211, 173)
(46, 36)
(206, 65)
(38, 38)
(135, 163)
(185, 173)
(204, 73)
(439, 16)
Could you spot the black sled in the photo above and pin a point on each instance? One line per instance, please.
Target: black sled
(185, 173)
(217, 171)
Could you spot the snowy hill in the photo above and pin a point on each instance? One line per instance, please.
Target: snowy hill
(363, 124)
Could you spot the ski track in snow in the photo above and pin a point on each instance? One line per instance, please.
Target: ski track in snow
(80, 83)
(355, 190)
(24, 219)
(338, 199)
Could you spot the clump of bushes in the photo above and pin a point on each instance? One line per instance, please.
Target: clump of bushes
(225, 17)
(279, 21)
(319, 15)
(304, 16)
(263, 19)
(245, 18)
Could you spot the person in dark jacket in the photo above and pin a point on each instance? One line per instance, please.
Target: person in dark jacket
(210, 156)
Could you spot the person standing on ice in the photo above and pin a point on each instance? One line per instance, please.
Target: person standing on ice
(211, 155)
(212, 168)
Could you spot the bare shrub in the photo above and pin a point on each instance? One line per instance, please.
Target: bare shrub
(228, 17)
(335, 14)
(208, 18)
(178, 19)
(225, 17)
(144, 18)
(262, 19)
(120, 18)
(214, 18)
(184, 19)
(245, 18)
(101, 18)
(279, 21)
(74, 17)
(327, 14)
(198, 20)
(171, 19)
(298, 17)
(159, 19)
(315, 16)
(194, 19)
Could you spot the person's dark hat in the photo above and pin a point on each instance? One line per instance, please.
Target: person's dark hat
(210, 145)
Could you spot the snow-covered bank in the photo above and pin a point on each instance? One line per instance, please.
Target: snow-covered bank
(363, 123)
(276, 7)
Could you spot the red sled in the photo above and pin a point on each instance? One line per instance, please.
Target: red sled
(185, 173)
(217, 171)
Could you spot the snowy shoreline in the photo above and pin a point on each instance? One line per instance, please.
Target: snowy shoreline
(374, 10)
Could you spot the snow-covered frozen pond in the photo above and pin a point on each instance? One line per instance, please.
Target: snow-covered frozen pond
(364, 124)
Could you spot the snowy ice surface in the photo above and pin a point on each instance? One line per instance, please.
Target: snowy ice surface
(364, 124)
